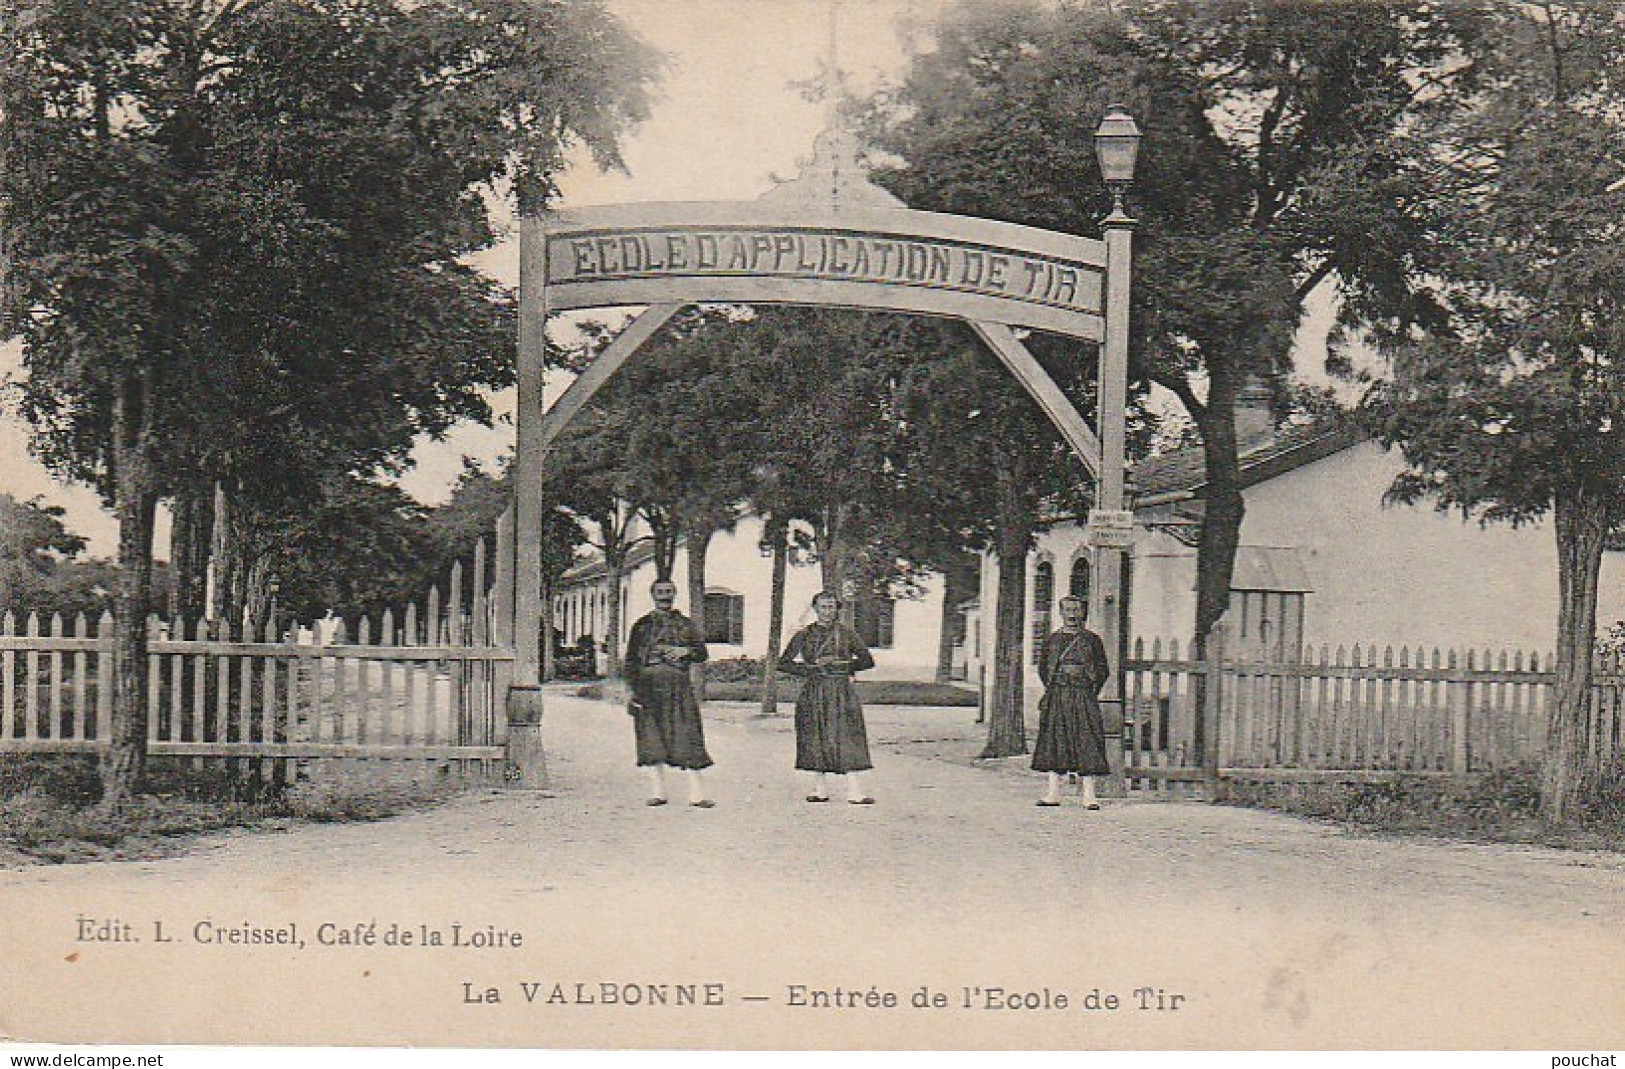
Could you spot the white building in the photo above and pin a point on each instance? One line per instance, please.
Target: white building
(1323, 561)
(902, 633)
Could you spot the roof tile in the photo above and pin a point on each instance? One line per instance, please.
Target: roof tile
(1185, 470)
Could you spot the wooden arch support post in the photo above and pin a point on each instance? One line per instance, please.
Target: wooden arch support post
(527, 760)
(1111, 524)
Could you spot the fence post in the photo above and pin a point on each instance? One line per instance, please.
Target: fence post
(106, 643)
(1460, 704)
(1461, 722)
(457, 634)
(501, 600)
(1213, 708)
(156, 713)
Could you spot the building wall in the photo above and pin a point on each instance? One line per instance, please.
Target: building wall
(1409, 573)
(1391, 575)
(1162, 600)
(1063, 546)
(734, 564)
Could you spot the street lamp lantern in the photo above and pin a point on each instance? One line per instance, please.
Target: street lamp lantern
(1117, 146)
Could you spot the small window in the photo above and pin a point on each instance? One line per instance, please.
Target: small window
(725, 619)
(1078, 585)
(874, 619)
(1043, 598)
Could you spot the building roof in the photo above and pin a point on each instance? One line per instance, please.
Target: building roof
(1278, 569)
(593, 567)
(1182, 473)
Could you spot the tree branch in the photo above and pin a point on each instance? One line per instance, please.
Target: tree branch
(1180, 387)
(232, 11)
(1559, 92)
(1313, 279)
(1426, 80)
(1268, 188)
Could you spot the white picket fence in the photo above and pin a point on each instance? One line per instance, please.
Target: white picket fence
(423, 685)
(1351, 710)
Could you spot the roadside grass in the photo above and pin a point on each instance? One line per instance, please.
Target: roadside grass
(739, 679)
(877, 692)
(51, 810)
(1492, 807)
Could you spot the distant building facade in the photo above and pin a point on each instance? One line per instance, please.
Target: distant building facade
(902, 633)
(1323, 561)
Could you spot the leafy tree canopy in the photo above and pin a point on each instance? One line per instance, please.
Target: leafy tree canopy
(1515, 406)
(41, 568)
(1522, 399)
(1276, 158)
(259, 209)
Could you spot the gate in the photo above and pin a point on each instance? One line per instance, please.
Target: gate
(423, 686)
(828, 238)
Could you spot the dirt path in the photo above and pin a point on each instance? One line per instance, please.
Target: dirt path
(1274, 932)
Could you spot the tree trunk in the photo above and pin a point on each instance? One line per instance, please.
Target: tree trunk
(1223, 510)
(778, 535)
(222, 553)
(1222, 515)
(189, 536)
(135, 502)
(550, 650)
(190, 532)
(952, 594)
(832, 547)
(699, 543)
(613, 564)
(823, 537)
(242, 573)
(663, 536)
(832, 558)
(256, 595)
(1581, 522)
(1007, 719)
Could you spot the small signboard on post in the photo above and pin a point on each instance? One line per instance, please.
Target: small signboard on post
(1111, 527)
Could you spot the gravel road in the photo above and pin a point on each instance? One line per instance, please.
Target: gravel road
(953, 913)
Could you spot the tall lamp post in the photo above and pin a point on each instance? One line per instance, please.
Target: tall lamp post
(1111, 526)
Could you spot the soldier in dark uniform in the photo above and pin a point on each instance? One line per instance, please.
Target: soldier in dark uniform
(1071, 732)
(830, 734)
(665, 713)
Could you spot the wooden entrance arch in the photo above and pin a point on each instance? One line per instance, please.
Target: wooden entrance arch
(828, 238)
